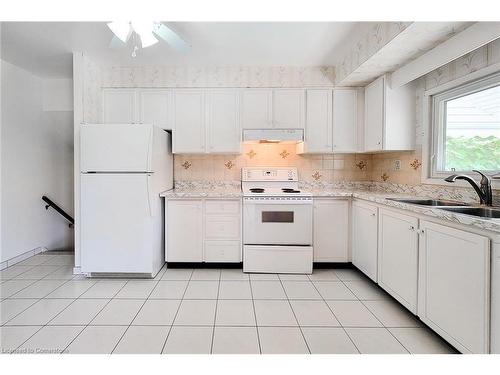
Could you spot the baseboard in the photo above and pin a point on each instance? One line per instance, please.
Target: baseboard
(319, 265)
(316, 265)
(203, 265)
(23, 256)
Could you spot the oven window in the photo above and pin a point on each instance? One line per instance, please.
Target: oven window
(277, 216)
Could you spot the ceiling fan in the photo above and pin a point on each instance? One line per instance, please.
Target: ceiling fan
(144, 34)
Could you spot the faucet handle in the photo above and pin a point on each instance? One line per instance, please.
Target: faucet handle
(484, 178)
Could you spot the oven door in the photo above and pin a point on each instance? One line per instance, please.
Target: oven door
(277, 222)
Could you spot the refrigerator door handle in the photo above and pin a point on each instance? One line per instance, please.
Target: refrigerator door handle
(148, 188)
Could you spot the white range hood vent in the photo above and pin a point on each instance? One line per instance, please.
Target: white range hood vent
(273, 135)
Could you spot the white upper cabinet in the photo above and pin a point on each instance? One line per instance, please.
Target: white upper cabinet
(398, 256)
(119, 106)
(189, 121)
(318, 135)
(155, 108)
(273, 108)
(224, 131)
(288, 108)
(454, 286)
(374, 115)
(256, 107)
(131, 106)
(345, 120)
(389, 117)
(206, 121)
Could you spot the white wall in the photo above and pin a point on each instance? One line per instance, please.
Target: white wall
(37, 159)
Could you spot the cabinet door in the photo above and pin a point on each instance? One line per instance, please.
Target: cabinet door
(224, 132)
(364, 238)
(184, 233)
(155, 108)
(454, 286)
(288, 108)
(256, 109)
(189, 121)
(398, 257)
(374, 115)
(318, 121)
(119, 106)
(345, 120)
(331, 230)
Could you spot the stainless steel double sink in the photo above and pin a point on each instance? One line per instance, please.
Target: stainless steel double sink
(453, 206)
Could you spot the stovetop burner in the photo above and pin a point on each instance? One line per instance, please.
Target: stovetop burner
(289, 190)
(256, 190)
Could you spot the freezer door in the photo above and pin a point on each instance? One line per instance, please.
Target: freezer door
(116, 147)
(117, 223)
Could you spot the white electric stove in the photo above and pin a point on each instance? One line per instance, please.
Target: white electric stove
(277, 221)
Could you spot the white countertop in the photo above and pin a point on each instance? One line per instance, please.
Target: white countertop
(232, 192)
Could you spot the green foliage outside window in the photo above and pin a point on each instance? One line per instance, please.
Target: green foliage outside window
(465, 154)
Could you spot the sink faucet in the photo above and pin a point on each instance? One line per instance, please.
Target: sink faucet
(483, 189)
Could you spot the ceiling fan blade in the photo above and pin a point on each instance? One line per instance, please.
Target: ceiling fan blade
(171, 37)
(116, 43)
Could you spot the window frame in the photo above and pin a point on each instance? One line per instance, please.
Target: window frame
(433, 108)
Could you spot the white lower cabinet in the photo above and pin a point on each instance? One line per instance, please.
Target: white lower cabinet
(222, 251)
(201, 230)
(454, 286)
(398, 256)
(364, 238)
(331, 230)
(184, 230)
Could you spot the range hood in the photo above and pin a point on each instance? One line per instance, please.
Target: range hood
(273, 135)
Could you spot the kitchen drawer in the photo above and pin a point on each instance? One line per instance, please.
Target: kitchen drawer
(222, 207)
(222, 227)
(223, 251)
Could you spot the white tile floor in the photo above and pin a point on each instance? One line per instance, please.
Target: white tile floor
(44, 308)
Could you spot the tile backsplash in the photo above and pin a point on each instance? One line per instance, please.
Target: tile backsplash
(325, 167)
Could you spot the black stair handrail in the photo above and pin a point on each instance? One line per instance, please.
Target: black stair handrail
(59, 210)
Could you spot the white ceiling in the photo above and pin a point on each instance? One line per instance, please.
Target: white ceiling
(45, 48)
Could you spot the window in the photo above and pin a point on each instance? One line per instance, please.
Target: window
(466, 127)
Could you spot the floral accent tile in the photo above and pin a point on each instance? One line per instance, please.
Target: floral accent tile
(187, 164)
(284, 154)
(229, 164)
(251, 154)
(415, 164)
(384, 176)
(316, 175)
(361, 165)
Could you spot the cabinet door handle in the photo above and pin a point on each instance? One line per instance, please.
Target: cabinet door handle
(412, 228)
(373, 215)
(420, 231)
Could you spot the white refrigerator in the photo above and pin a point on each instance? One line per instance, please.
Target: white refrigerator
(124, 168)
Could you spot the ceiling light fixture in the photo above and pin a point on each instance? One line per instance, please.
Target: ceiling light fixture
(144, 34)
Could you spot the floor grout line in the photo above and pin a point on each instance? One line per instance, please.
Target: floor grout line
(341, 326)
(255, 316)
(37, 301)
(156, 282)
(177, 311)
(215, 316)
(383, 326)
(293, 312)
(135, 316)
(91, 320)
